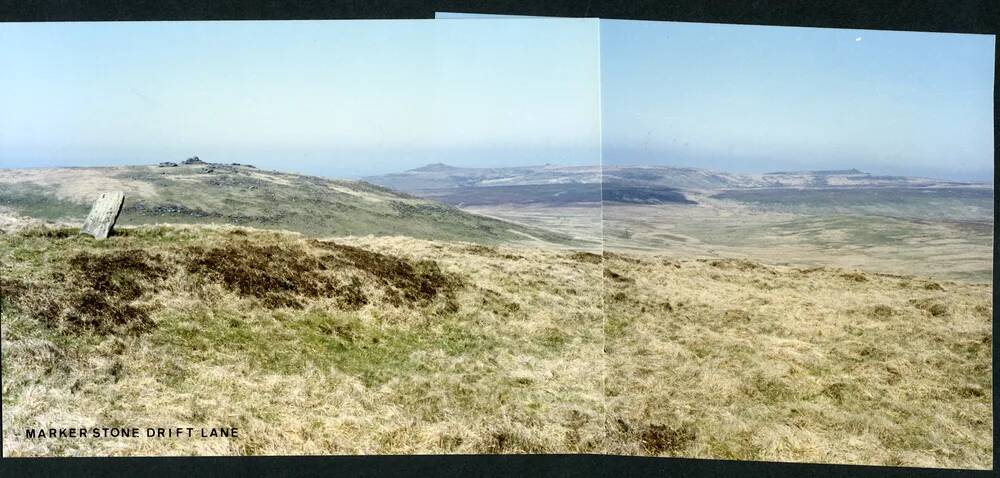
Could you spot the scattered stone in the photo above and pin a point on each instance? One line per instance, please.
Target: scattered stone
(193, 160)
(104, 214)
(168, 164)
(166, 210)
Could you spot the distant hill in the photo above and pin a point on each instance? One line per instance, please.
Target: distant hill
(200, 192)
(549, 185)
(442, 176)
(705, 179)
(563, 185)
(435, 168)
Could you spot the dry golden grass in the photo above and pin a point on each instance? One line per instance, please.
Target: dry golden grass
(455, 348)
(732, 359)
(393, 345)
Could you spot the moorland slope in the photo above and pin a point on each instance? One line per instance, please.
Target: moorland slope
(210, 193)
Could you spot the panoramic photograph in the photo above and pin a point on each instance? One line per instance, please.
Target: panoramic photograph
(497, 235)
(798, 235)
(261, 238)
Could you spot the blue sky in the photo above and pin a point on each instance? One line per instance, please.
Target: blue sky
(761, 98)
(334, 98)
(348, 99)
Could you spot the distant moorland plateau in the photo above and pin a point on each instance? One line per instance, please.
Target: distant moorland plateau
(846, 218)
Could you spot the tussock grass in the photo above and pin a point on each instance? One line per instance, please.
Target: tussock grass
(395, 345)
(349, 345)
(735, 359)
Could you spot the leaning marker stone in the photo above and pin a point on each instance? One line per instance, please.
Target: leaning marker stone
(103, 215)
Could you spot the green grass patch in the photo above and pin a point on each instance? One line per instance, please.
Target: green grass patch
(40, 202)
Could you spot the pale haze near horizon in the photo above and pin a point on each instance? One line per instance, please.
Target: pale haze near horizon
(760, 98)
(332, 98)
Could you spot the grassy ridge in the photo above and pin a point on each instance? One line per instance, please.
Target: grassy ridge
(357, 345)
(238, 195)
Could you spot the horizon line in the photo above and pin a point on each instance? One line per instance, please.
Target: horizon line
(827, 170)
